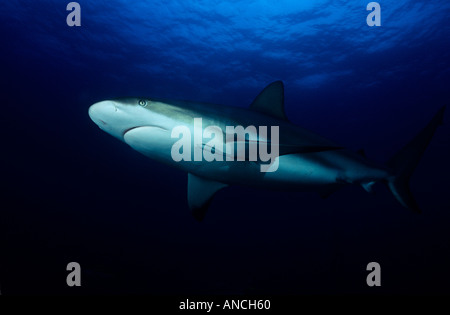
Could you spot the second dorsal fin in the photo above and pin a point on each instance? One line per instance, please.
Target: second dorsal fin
(271, 101)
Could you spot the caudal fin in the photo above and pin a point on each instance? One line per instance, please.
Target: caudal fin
(405, 161)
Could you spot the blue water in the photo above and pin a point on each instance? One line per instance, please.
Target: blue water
(73, 193)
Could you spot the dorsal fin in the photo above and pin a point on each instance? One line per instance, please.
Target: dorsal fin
(200, 193)
(271, 101)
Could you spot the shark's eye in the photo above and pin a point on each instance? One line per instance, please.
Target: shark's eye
(143, 103)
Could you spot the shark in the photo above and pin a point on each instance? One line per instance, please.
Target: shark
(305, 161)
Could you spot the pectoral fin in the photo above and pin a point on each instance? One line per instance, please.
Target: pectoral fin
(200, 193)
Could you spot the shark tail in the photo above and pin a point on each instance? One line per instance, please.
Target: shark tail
(405, 161)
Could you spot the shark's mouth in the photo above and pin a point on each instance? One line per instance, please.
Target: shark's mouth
(147, 126)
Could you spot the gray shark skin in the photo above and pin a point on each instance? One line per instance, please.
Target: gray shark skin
(306, 161)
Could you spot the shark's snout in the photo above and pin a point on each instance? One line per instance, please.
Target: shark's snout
(112, 117)
(102, 112)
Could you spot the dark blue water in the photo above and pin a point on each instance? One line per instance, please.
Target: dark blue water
(70, 192)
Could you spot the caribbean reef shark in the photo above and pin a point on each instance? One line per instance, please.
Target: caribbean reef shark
(300, 160)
